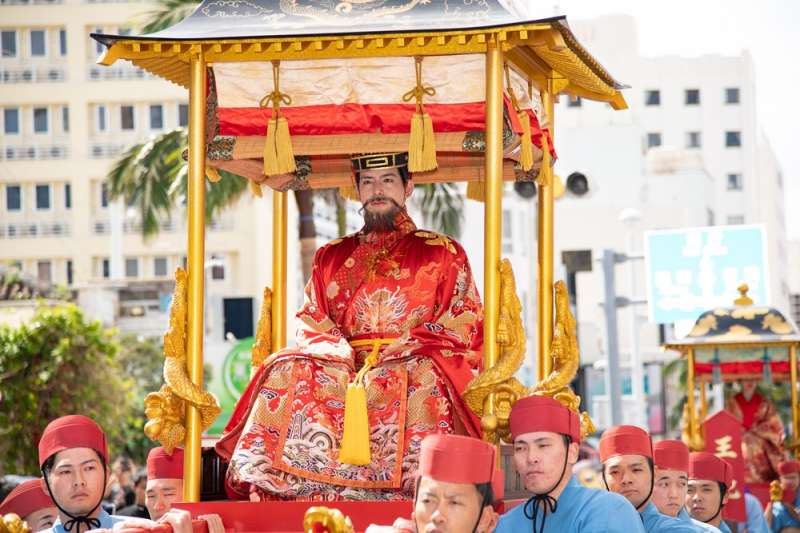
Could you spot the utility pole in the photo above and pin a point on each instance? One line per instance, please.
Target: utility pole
(613, 385)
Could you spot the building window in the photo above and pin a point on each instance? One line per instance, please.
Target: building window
(101, 118)
(98, 46)
(574, 101)
(693, 139)
(732, 95)
(126, 117)
(9, 43)
(156, 117)
(733, 139)
(217, 268)
(70, 273)
(65, 118)
(653, 140)
(734, 182)
(62, 42)
(42, 197)
(44, 271)
(692, 97)
(106, 268)
(132, 268)
(68, 195)
(13, 198)
(735, 219)
(160, 267)
(11, 120)
(104, 195)
(183, 114)
(40, 120)
(38, 43)
(652, 97)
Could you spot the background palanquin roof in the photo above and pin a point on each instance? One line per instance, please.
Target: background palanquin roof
(240, 38)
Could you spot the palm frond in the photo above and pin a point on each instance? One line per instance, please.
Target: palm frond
(442, 207)
(167, 13)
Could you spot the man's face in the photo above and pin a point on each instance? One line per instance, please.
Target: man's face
(382, 191)
(629, 475)
(41, 519)
(539, 458)
(790, 481)
(77, 480)
(139, 489)
(749, 387)
(451, 508)
(160, 494)
(703, 499)
(669, 491)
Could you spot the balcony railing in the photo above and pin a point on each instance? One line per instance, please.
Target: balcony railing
(106, 150)
(176, 224)
(30, 74)
(29, 2)
(27, 230)
(117, 72)
(36, 152)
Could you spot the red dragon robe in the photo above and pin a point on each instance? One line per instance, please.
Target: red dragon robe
(414, 287)
(762, 437)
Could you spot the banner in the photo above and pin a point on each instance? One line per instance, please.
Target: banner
(724, 439)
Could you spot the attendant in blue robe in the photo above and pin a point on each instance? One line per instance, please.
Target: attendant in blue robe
(755, 516)
(783, 515)
(627, 456)
(546, 438)
(710, 479)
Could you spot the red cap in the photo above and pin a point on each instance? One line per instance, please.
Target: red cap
(72, 431)
(161, 465)
(671, 455)
(788, 467)
(498, 484)
(456, 459)
(625, 440)
(704, 465)
(26, 498)
(542, 413)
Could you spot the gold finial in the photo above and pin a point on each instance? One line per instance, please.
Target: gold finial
(743, 298)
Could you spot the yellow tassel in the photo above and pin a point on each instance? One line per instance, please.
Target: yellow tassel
(212, 174)
(355, 438)
(255, 188)
(526, 143)
(476, 190)
(421, 144)
(349, 193)
(278, 152)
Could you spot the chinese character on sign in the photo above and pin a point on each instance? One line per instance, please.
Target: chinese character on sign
(724, 447)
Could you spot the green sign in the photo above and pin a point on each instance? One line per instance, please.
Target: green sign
(230, 377)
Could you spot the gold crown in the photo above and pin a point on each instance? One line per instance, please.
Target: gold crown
(373, 161)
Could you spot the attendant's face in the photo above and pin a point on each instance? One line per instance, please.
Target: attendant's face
(749, 387)
(77, 480)
(629, 475)
(41, 519)
(669, 491)
(539, 458)
(451, 508)
(703, 499)
(382, 190)
(160, 494)
(790, 481)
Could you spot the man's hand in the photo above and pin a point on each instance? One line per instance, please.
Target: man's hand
(173, 521)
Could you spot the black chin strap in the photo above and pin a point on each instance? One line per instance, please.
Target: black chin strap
(652, 483)
(484, 502)
(76, 520)
(544, 502)
(719, 508)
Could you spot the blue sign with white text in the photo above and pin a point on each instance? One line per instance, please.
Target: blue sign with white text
(691, 270)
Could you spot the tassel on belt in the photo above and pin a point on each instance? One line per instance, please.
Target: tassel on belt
(355, 437)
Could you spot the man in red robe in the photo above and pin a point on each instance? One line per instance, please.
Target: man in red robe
(391, 309)
(762, 437)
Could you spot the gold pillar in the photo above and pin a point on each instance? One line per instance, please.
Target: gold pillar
(196, 267)
(703, 402)
(544, 315)
(795, 406)
(492, 208)
(279, 223)
(692, 419)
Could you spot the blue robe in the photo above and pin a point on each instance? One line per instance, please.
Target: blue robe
(655, 522)
(781, 517)
(107, 521)
(579, 509)
(700, 527)
(756, 523)
(724, 527)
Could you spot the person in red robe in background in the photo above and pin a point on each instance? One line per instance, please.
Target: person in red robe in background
(763, 434)
(390, 334)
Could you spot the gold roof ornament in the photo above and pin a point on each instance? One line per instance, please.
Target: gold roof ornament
(743, 298)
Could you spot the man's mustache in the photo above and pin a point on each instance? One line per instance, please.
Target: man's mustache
(382, 199)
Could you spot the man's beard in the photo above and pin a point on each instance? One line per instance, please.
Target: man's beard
(379, 222)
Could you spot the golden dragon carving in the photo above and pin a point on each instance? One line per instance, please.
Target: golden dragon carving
(692, 433)
(165, 409)
(326, 520)
(262, 347)
(11, 523)
(499, 383)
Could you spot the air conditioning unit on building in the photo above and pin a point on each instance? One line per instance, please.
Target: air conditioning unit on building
(27, 74)
(55, 74)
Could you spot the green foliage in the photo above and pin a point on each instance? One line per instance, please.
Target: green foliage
(442, 207)
(167, 13)
(58, 363)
